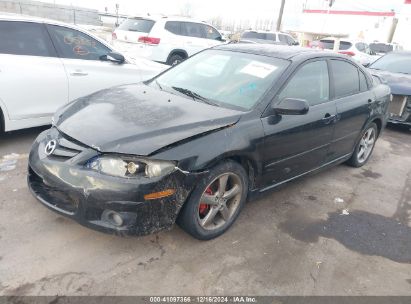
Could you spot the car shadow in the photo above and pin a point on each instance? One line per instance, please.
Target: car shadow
(19, 139)
(360, 231)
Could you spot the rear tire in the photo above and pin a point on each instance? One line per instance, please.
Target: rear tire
(175, 59)
(210, 211)
(364, 147)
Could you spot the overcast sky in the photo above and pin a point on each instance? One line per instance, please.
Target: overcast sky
(231, 8)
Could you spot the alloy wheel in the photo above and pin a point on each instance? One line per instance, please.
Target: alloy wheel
(220, 201)
(366, 145)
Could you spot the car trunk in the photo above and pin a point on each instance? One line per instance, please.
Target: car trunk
(134, 28)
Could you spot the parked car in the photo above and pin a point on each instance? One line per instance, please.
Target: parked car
(268, 37)
(163, 39)
(226, 35)
(193, 143)
(395, 69)
(44, 64)
(382, 48)
(358, 50)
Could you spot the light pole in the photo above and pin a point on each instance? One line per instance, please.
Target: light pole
(117, 7)
(280, 15)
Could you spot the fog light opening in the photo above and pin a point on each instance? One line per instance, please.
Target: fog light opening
(112, 218)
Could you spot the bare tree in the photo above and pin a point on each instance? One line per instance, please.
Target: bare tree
(186, 10)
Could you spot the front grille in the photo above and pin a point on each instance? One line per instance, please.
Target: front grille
(65, 202)
(66, 149)
(397, 105)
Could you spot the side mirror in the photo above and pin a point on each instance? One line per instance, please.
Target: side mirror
(366, 65)
(296, 43)
(292, 106)
(113, 57)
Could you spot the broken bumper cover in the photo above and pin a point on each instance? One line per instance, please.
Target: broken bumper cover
(400, 110)
(68, 188)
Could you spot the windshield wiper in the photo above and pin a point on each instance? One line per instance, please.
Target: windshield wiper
(157, 83)
(194, 95)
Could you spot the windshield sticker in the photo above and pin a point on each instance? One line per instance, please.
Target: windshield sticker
(258, 69)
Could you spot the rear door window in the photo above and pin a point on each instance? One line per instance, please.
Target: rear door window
(283, 38)
(25, 38)
(290, 40)
(256, 35)
(173, 27)
(192, 29)
(311, 82)
(346, 79)
(73, 44)
(329, 44)
(137, 25)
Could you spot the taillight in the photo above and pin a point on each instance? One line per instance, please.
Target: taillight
(113, 36)
(149, 40)
(347, 53)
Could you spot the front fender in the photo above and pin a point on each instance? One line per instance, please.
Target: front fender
(243, 140)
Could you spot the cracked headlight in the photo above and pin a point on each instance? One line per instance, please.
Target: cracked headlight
(128, 167)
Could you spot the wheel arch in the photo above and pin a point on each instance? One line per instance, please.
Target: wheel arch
(177, 51)
(378, 122)
(3, 117)
(247, 162)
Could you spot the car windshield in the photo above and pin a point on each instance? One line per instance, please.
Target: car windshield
(394, 63)
(381, 47)
(224, 78)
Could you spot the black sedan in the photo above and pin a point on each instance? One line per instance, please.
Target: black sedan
(194, 143)
(395, 69)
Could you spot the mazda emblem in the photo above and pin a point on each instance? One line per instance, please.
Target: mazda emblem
(50, 147)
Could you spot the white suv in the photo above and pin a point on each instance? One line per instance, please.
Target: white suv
(167, 40)
(358, 50)
(267, 37)
(44, 64)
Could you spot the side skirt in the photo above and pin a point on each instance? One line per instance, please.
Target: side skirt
(256, 192)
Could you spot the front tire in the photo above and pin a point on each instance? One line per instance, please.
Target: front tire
(215, 202)
(364, 147)
(175, 59)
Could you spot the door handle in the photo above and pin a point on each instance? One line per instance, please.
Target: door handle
(78, 73)
(328, 118)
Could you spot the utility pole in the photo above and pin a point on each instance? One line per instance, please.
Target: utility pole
(280, 15)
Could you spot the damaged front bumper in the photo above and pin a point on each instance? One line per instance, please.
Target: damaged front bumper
(106, 203)
(400, 110)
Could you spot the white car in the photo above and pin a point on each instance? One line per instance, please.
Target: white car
(45, 64)
(267, 37)
(382, 48)
(167, 40)
(358, 50)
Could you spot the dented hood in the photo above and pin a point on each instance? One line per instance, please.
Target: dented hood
(137, 119)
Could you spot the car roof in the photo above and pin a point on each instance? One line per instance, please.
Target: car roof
(26, 18)
(167, 18)
(263, 32)
(343, 39)
(277, 51)
(408, 53)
